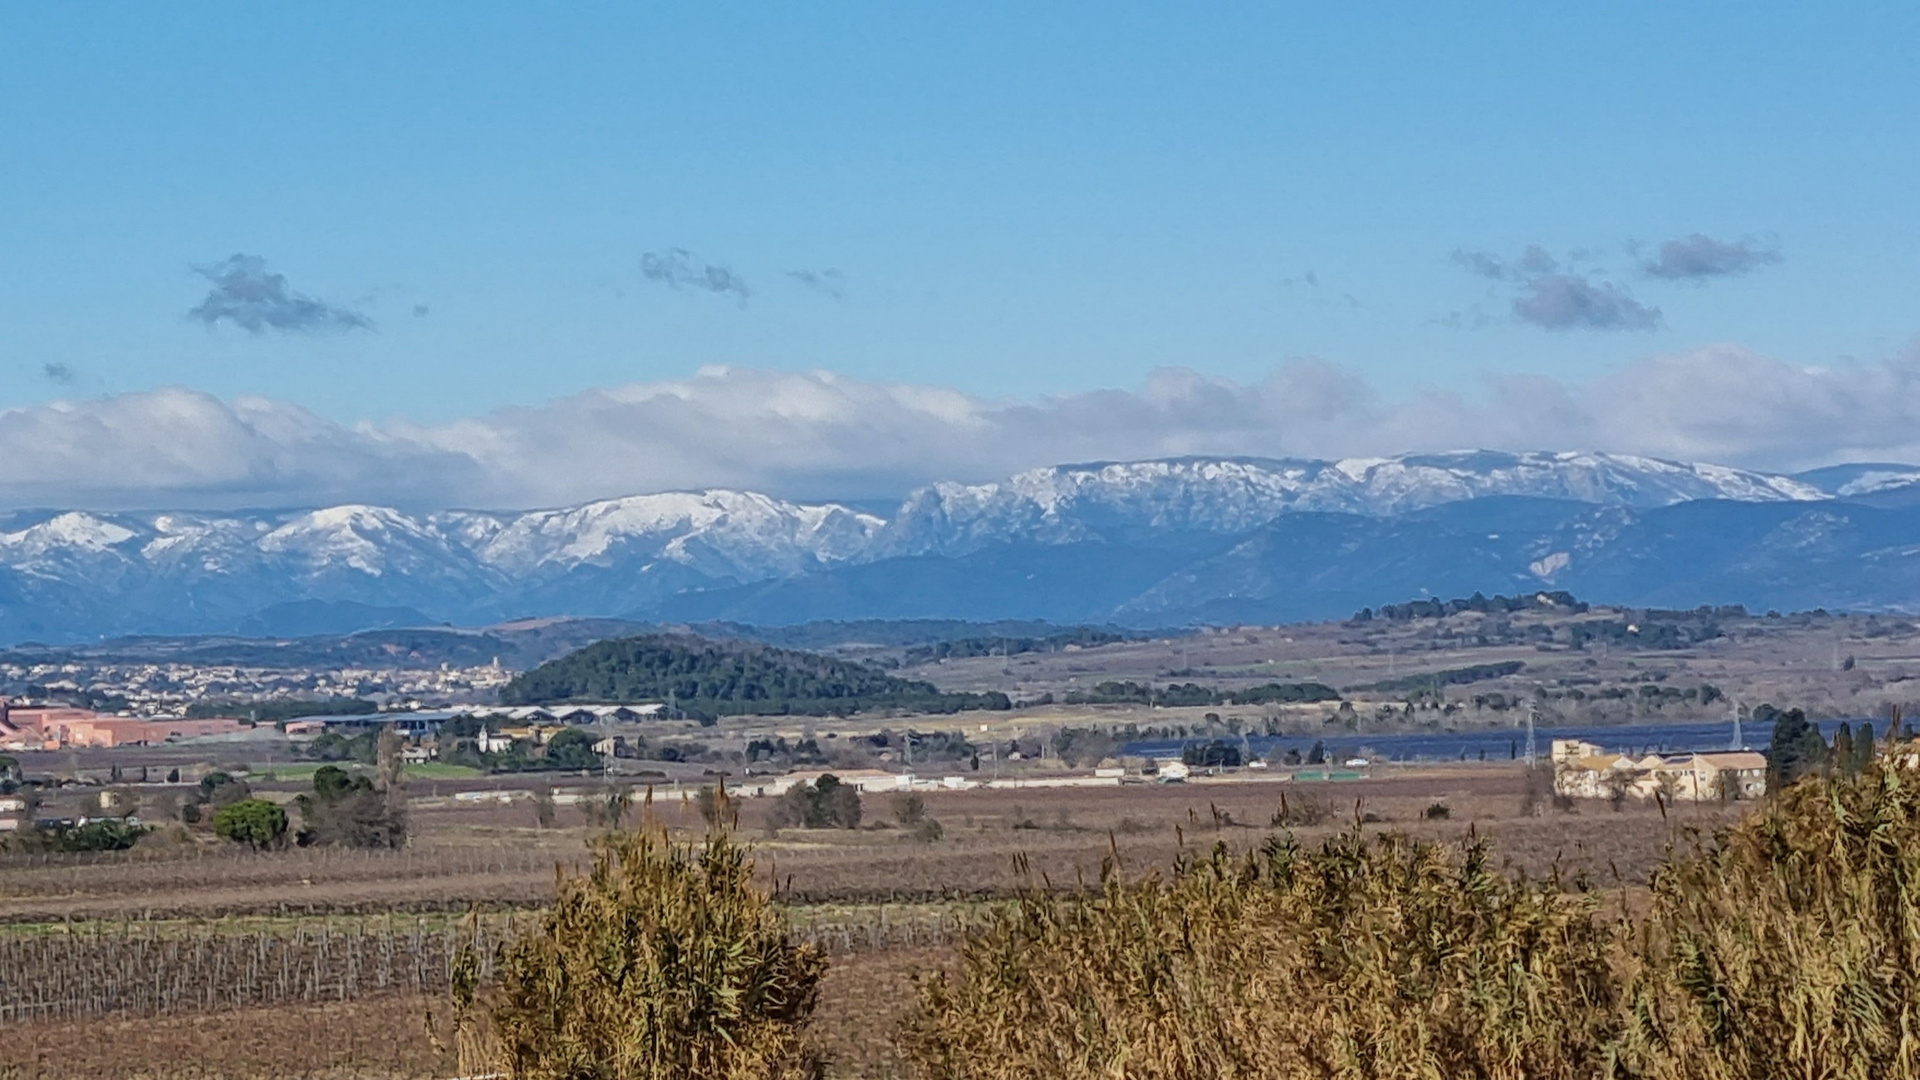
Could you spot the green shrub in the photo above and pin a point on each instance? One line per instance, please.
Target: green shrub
(256, 823)
(354, 811)
(100, 834)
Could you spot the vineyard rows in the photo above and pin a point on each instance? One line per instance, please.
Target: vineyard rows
(36, 873)
(155, 969)
(162, 968)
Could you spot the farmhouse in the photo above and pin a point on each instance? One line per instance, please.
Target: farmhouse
(1583, 770)
(490, 742)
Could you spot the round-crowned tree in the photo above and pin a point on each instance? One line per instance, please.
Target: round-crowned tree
(256, 823)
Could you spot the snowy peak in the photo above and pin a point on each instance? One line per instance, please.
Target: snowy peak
(1861, 480)
(721, 532)
(1070, 503)
(71, 531)
(1416, 481)
(371, 540)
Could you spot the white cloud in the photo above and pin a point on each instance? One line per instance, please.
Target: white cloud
(819, 434)
(182, 448)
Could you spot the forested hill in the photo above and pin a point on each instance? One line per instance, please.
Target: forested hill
(723, 678)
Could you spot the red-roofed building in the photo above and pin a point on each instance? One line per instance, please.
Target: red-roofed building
(57, 727)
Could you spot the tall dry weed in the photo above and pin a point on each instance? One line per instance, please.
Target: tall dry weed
(663, 963)
(1363, 957)
(1784, 947)
(1787, 946)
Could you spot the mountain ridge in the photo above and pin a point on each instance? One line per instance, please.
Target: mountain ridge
(1118, 530)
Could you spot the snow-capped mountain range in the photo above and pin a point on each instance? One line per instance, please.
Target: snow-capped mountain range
(73, 573)
(1068, 503)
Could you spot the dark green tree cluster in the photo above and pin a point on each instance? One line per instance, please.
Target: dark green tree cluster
(99, 834)
(1315, 755)
(1796, 749)
(1084, 637)
(215, 790)
(272, 712)
(919, 746)
(1084, 747)
(258, 823)
(357, 811)
(1557, 601)
(1217, 753)
(1194, 694)
(572, 749)
(777, 751)
(346, 810)
(334, 746)
(1452, 676)
(1680, 632)
(1852, 750)
(723, 678)
(826, 803)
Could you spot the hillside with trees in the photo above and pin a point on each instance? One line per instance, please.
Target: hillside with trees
(707, 679)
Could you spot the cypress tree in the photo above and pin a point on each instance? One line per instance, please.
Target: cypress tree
(1842, 756)
(1796, 749)
(1863, 747)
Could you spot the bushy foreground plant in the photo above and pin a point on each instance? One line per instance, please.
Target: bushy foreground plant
(1785, 947)
(1789, 946)
(662, 963)
(1366, 957)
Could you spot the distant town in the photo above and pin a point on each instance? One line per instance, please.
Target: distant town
(172, 689)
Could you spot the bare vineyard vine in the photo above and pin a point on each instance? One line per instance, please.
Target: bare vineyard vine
(163, 968)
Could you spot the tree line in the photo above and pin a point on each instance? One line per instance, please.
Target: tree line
(1558, 600)
(1177, 694)
(1084, 637)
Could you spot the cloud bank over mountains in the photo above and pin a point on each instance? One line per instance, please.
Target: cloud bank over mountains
(824, 435)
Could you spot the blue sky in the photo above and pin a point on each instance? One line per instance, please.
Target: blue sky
(1011, 203)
